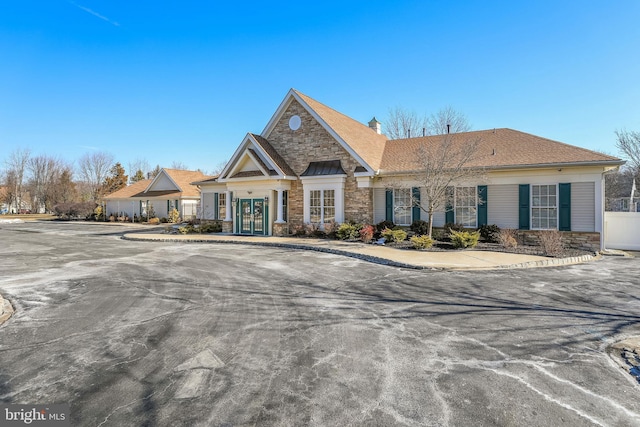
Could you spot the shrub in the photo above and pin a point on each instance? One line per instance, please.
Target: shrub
(174, 216)
(330, 229)
(551, 242)
(186, 229)
(98, 214)
(489, 233)
(314, 230)
(385, 224)
(151, 213)
(74, 210)
(210, 227)
(420, 227)
(297, 229)
(421, 242)
(394, 236)
(452, 226)
(464, 239)
(154, 221)
(508, 238)
(438, 234)
(348, 231)
(366, 233)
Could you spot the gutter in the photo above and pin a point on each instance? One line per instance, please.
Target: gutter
(517, 167)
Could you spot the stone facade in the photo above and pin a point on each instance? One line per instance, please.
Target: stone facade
(571, 239)
(311, 142)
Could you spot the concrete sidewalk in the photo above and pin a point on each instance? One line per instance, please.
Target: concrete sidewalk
(454, 260)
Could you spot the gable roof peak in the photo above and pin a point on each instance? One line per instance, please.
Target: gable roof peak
(365, 144)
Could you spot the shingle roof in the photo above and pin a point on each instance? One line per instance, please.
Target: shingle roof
(498, 148)
(182, 178)
(366, 142)
(275, 156)
(130, 191)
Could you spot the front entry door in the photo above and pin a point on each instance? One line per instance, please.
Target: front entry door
(252, 216)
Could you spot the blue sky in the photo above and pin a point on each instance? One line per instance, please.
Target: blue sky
(185, 81)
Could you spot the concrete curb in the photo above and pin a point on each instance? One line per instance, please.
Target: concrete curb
(372, 259)
(6, 310)
(552, 262)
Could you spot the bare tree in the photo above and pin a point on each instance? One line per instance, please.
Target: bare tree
(15, 176)
(179, 165)
(138, 170)
(403, 123)
(618, 186)
(447, 120)
(629, 144)
(443, 165)
(219, 167)
(93, 169)
(44, 172)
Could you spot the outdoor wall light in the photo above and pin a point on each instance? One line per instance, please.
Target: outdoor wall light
(266, 199)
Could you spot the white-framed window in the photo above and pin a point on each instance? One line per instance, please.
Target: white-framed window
(402, 206)
(322, 206)
(466, 206)
(222, 205)
(544, 207)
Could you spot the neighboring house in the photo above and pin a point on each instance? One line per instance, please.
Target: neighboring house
(10, 208)
(312, 164)
(170, 189)
(622, 204)
(4, 196)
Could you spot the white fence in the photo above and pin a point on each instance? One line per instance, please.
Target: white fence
(622, 230)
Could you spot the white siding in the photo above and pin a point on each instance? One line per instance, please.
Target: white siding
(583, 213)
(163, 183)
(124, 206)
(208, 206)
(439, 218)
(379, 205)
(502, 205)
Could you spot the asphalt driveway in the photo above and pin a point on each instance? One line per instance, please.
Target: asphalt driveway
(150, 333)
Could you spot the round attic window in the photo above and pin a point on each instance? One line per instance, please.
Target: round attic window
(295, 122)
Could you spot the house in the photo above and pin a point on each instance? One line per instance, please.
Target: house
(170, 189)
(312, 164)
(8, 203)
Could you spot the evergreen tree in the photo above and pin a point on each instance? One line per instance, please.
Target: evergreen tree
(139, 176)
(115, 180)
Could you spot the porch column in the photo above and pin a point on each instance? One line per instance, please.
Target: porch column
(227, 210)
(279, 219)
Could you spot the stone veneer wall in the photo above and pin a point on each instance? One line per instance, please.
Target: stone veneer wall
(572, 239)
(311, 142)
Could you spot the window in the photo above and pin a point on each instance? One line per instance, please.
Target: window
(466, 206)
(402, 206)
(222, 205)
(285, 204)
(544, 207)
(322, 206)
